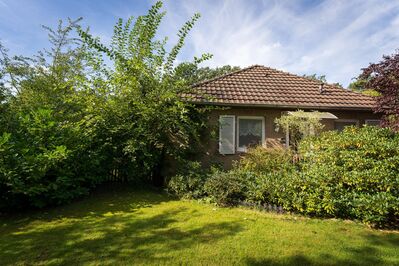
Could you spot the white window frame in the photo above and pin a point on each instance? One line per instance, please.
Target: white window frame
(346, 121)
(263, 138)
(371, 120)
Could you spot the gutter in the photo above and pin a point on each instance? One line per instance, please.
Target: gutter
(276, 106)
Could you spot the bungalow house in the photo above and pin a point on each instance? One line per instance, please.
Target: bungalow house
(255, 96)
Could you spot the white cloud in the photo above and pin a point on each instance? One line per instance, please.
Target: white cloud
(335, 38)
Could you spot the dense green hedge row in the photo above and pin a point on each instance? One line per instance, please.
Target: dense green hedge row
(353, 174)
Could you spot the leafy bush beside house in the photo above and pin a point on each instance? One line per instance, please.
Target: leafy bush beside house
(189, 182)
(227, 188)
(353, 174)
(266, 168)
(246, 181)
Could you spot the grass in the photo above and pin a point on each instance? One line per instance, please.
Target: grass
(121, 226)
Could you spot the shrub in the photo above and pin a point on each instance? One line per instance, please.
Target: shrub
(189, 182)
(50, 171)
(353, 174)
(266, 160)
(265, 169)
(226, 188)
(259, 177)
(48, 151)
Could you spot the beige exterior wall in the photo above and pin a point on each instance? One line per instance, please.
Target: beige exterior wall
(212, 154)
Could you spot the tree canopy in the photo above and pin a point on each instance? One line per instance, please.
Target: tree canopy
(69, 120)
(192, 73)
(321, 78)
(383, 77)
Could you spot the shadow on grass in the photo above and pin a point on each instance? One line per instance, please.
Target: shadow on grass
(112, 198)
(108, 228)
(123, 226)
(293, 260)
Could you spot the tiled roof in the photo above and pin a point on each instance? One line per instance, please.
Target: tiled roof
(264, 86)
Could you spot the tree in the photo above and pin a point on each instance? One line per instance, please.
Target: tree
(192, 74)
(72, 119)
(144, 119)
(4, 93)
(46, 144)
(383, 77)
(358, 86)
(321, 78)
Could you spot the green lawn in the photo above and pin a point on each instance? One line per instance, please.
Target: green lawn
(122, 226)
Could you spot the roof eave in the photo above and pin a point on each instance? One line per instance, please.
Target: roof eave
(353, 108)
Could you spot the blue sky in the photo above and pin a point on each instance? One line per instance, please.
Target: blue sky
(334, 38)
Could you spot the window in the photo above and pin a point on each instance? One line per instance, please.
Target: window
(227, 134)
(341, 124)
(373, 122)
(250, 132)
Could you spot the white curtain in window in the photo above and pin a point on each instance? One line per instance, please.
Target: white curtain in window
(250, 132)
(251, 127)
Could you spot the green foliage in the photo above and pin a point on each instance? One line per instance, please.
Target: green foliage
(143, 116)
(225, 188)
(299, 124)
(192, 74)
(321, 78)
(48, 158)
(266, 170)
(352, 174)
(5, 91)
(359, 85)
(70, 120)
(370, 92)
(189, 182)
(271, 160)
